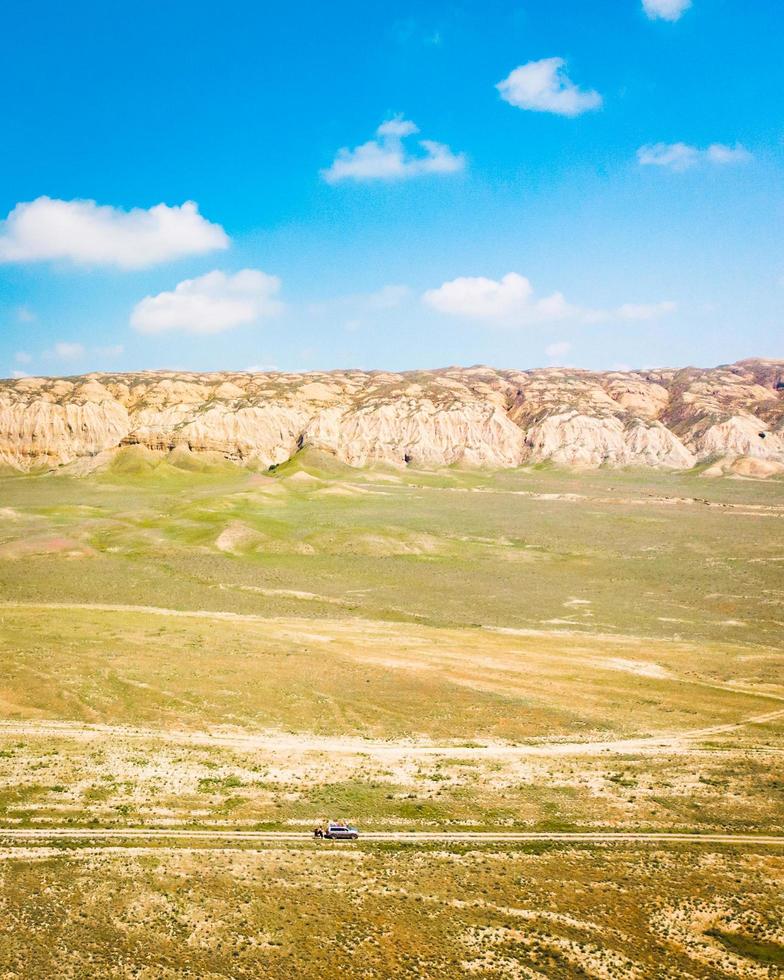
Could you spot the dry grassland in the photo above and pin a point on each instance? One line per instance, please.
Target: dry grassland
(519, 651)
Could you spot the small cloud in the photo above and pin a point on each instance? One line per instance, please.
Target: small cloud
(22, 357)
(25, 315)
(721, 154)
(262, 368)
(17, 375)
(646, 311)
(557, 350)
(114, 350)
(509, 300)
(674, 156)
(210, 304)
(90, 234)
(65, 351)
(386, 158)
(682, 156)
(671, 10)
(543, 86)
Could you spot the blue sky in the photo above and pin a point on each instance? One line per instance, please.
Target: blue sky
(600, 184)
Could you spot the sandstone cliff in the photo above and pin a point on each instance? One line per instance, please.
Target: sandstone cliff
(732, 415)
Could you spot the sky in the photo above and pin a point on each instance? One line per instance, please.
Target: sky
(258, 186)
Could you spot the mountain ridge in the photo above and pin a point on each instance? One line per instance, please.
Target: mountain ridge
(731, 415)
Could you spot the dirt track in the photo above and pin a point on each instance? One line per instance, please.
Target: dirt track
(227, 837)
(346, 745)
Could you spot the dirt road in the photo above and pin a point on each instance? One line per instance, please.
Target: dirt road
(222, 838)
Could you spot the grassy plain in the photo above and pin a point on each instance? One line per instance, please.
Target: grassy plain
(186, 644)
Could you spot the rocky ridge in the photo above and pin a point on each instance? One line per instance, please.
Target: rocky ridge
(732, 415)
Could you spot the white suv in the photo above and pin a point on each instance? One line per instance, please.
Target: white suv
(341, 831)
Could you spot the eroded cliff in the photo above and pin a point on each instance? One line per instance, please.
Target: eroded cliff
(472, 416)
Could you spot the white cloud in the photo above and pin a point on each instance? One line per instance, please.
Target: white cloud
(665, 9)
(65, 351)
(18, 375)
(511, 302)
(682, 156)
(396, 128)
(544, 86)
(386, 158)
(113, 350)
(675, 156)
(210, 304)
(721, 154)
(557, 350)
(646, 311)
(508, 300)
(22, 357)
(91, 234)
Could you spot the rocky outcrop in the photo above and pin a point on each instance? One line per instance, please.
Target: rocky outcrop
(470, 416)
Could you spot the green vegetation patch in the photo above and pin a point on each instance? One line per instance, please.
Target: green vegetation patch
(759, 950)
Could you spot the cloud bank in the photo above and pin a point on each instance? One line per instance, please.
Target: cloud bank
(543, 86)
(386, 157)
(87, 233)
(210, 304)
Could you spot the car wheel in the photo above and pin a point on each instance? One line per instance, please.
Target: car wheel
(354, 836)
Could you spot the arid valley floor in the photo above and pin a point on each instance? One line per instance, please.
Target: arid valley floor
(189, 646)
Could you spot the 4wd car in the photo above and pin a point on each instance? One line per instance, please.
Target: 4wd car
(341, 831)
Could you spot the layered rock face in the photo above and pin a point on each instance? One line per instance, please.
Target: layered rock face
(471, 416)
